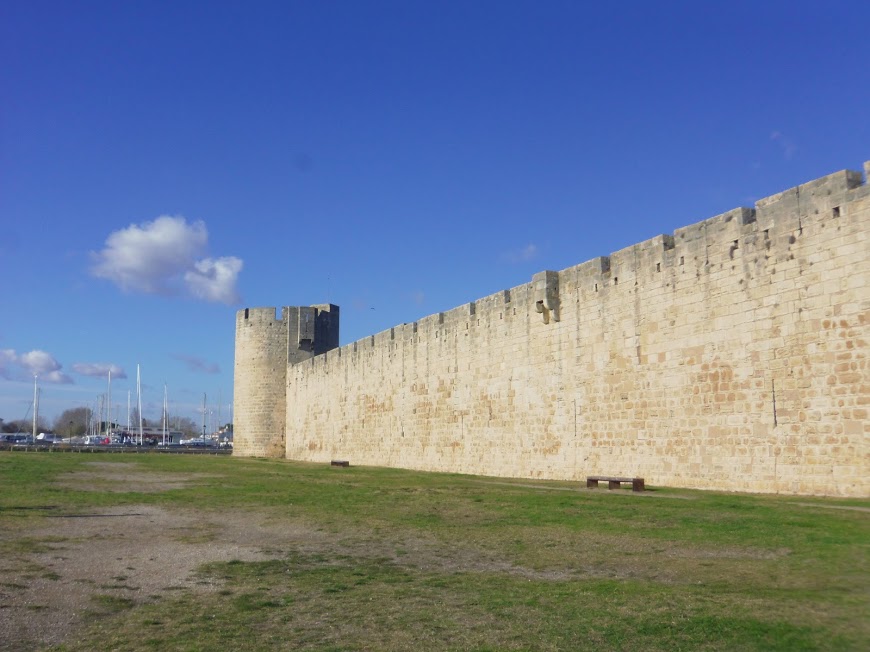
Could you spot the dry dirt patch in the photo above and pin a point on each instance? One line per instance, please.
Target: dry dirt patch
(851, 508)
(123, 476)
(135, 553)
(56, 568)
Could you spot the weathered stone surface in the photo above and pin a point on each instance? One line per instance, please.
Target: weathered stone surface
(731, 355)
(265, 346)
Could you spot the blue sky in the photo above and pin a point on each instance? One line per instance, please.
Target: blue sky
(164, 164)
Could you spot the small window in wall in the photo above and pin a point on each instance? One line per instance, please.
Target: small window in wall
(658, 267)
(836, 211)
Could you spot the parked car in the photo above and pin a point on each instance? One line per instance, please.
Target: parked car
(197, 441)
(16, 438)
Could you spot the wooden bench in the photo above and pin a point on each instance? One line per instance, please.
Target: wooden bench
(613, 483)
(340, 463)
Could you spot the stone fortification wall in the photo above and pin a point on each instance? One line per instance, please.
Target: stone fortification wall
(730, 355)
(265, 346)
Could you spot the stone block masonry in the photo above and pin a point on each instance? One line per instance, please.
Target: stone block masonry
(266, 345)
(730, 355)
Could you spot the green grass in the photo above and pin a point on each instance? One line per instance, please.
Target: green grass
(104, 604)
(411, 561)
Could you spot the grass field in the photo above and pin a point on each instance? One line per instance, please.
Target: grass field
(378, 559)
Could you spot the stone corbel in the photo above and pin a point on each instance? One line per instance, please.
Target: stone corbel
(546, 285)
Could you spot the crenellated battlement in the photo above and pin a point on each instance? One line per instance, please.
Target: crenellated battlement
(692, 247)
(258, 316)
(730, 354)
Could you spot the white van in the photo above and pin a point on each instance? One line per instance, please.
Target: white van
(48, 438)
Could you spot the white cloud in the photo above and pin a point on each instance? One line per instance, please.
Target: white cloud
(524, 255)
(57, 377)
(25, 366)
(166, 256)
(215, 280)
(99, 369)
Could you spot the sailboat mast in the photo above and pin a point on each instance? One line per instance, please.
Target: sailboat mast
(35, 405)
(139, 399)
(109, 406)
(164, 414)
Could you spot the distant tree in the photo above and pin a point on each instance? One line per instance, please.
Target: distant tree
(134, 420)
(187, 426)
(25, 425)
(72, 422)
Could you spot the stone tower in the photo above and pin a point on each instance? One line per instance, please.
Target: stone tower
(265, 345)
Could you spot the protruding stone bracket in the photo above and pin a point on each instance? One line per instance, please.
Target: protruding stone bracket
(546, 285)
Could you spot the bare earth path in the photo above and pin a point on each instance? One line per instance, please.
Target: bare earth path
(47, 587)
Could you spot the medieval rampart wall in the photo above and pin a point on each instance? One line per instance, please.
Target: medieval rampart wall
(265, 345)
(731, 355)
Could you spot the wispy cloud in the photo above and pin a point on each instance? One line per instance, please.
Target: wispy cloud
(99, 369)
(418, 297)
(787, 145)
(24, 366)
(196, 364)
(523, 255)
(167, 256)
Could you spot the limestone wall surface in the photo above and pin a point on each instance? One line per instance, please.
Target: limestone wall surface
(730, 355)
(265, 345)
(259, 383)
